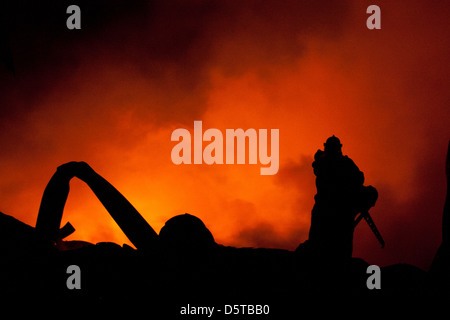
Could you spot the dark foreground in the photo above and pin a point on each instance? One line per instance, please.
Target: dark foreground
(235, 281)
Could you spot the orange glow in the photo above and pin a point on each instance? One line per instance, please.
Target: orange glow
(383, 93)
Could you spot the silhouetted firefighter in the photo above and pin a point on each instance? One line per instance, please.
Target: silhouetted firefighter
(340, 197)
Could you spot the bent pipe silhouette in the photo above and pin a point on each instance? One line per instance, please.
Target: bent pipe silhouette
(134, 226)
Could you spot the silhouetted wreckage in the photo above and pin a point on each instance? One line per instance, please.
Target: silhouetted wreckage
(184, 264)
